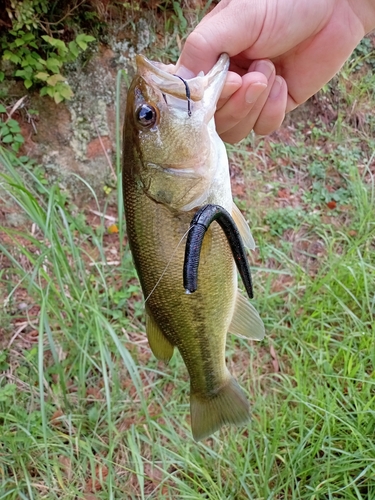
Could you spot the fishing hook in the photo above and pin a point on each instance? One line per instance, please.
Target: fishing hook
(199, 225)
(187, 93)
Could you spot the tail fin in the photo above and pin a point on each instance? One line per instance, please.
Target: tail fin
(228, 406)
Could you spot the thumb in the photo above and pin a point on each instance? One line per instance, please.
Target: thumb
(199, 53)
(227, 28)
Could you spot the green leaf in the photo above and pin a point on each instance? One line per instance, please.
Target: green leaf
(65, 91)
(19, 41)
(53, 64)
(73, 48)
(2, 109)
(38, 66)
(84, 38)
(15, 59)
(7, 139)
(4, 129)
(32, 60)
(28, 37)
(58, 97)
(42, 76)
(54, 79)
(28, 83)
(7, 391)
(9, 56)
(13, 125)
(61, 47)
(82, 44)
(19, 138)
(29, 73)
(52, 41)
(2, 76)
(20, 72)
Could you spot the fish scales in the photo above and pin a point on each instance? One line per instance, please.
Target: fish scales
(203, 345)
(164, 184)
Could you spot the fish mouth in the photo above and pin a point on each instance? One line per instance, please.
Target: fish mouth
(164, 77)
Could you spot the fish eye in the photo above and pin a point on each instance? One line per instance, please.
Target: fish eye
(146, 115)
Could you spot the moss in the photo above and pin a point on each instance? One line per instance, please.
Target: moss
(94, 90)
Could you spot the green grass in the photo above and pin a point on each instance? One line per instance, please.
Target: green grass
(85, 408)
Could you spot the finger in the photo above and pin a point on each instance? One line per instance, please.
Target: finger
(232, 83)
(273, 111)
(263, 118)
(251, 97)
(239, 105)
(223, 30)
(250, 91)
(243, 127)
(243, 97)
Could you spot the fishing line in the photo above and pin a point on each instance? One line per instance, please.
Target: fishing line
(187, 93)
(168, 263)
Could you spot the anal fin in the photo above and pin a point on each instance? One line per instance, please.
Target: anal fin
(160, 346)
(243, 228)
(246, 321)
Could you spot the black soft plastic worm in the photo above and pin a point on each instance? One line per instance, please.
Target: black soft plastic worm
(198, 227)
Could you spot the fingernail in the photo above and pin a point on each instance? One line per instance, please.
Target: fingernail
(265, 67)
(276, 87)
(185, 72)
(254, 91)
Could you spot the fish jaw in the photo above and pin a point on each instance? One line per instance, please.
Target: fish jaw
(178, 154)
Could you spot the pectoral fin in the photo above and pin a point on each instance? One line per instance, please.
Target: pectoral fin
(246, 321)
(243, 228)
(160, 346)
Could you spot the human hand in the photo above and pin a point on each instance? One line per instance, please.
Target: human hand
(282, 52)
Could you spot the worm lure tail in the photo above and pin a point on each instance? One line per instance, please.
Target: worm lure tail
(198, 227)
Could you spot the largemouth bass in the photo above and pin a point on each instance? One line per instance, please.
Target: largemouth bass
(174, 163)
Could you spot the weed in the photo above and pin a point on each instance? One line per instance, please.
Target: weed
(281, 219)
(364, 53)
(10, 131)
(24, 51)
